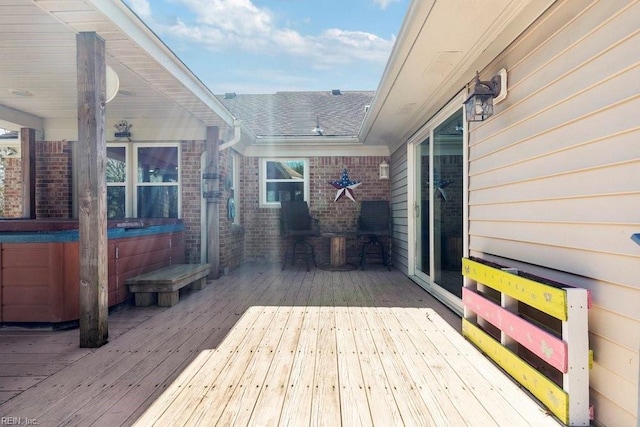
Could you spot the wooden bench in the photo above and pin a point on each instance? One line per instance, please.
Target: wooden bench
(166, 283)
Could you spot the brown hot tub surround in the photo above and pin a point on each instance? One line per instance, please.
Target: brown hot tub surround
(39, 263)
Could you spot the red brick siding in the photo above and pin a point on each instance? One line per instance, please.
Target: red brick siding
(12, 188)
(53, 180)
(262, 230)
(191, 198)
(231, 236)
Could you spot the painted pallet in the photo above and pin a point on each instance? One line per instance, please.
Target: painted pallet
(568, 353)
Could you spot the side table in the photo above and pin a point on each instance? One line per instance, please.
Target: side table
(338, 250)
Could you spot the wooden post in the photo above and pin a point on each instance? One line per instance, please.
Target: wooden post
(92, 190)
(28, 152)
(213, 206)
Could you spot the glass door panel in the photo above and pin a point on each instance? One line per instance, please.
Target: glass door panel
(448, 204)
(439, 207)
(423, 228)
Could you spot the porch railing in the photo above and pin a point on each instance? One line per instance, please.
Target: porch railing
(536, 330)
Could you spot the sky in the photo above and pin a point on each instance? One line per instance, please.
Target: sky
(265, 46)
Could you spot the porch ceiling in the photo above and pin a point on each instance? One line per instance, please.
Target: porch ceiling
(38, 48)
(440, 46)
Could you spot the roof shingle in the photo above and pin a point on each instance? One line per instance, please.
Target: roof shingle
(290, 114)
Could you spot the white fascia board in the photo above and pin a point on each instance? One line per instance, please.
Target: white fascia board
(122, 17)
(414, 20)
(15, 119)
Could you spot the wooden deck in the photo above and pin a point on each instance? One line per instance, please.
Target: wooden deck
(264, 347)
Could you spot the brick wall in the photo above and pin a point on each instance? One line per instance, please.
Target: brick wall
(53, 180)
(231, 235)
(262, 229)
(12, 188)
(191, 198)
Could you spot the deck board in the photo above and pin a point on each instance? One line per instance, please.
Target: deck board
(268, 347)
(298, 400)
(354, 402)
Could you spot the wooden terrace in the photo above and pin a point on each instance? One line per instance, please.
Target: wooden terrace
(265, 347)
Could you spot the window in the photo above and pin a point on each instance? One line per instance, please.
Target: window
(143, 181)
(116, 168)
(283, 180)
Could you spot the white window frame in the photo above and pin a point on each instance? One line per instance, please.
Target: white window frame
(264, 181)
(125, 184)
(132, 183)
(235, 186)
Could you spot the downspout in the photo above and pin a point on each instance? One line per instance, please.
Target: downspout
(211, 193)
(237, 134)
(203, 213)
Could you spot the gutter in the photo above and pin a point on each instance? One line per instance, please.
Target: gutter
(237, 135)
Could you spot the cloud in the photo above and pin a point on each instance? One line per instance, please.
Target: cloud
(236, 16)
(384, 3)
(141, 7)
(223, 25)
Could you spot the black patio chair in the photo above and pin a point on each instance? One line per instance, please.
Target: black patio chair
(297, 224)
(374, 225)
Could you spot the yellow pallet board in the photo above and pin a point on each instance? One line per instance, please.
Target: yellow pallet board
(548, 299)
(552, 396)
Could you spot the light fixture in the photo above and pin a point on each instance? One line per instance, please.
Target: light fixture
(384, 170)
(479, 104)
(113, 83)
(318, 130)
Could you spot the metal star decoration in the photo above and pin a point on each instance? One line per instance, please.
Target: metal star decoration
(439, 185)
(345, 186)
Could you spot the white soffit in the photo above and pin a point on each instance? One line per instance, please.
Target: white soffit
(439, 47)
(39, 42)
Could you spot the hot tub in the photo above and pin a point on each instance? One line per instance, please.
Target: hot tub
(39, 264)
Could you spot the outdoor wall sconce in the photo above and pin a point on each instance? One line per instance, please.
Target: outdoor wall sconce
(479, 104)
(384, 170)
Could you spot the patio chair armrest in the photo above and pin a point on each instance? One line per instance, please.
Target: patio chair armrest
(315, 224)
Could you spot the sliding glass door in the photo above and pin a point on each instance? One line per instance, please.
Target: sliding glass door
(439, 206)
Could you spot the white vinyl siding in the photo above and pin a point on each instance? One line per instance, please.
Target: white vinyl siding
(399, 208)
(554, 177)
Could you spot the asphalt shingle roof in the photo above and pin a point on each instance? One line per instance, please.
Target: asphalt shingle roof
(290, 114)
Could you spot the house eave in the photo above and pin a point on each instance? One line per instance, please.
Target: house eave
(440, 46)
(131, 25)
